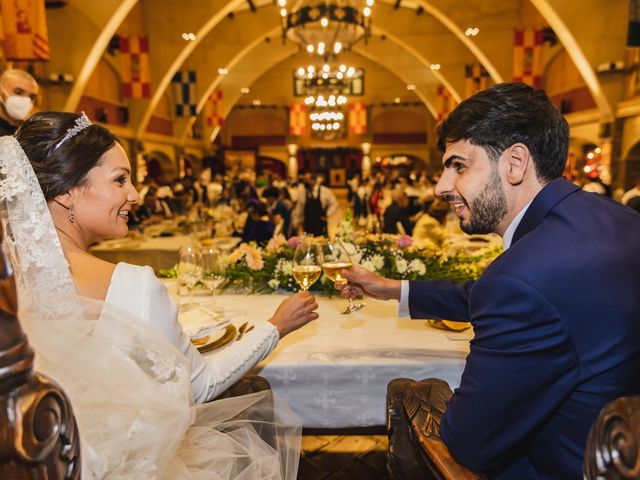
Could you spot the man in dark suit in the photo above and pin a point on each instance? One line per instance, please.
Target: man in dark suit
(398, 213)
(556, 317)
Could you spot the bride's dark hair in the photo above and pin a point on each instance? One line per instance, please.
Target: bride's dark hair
(63, 167)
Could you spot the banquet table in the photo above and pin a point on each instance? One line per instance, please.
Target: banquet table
(334, 371)
(157, 252)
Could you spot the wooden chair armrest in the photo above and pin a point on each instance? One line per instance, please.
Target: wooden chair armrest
(438, 454)
(414, 410)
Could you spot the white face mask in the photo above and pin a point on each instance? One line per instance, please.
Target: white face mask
(17, 106)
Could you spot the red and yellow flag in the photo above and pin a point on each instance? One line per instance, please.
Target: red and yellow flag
(445, 103)
(476, 79)
(213, 113)
(358, 118)
(527, 57)
(134, 66)
(297, 119)
(24, 25)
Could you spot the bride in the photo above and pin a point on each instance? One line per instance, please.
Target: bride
(109, 333)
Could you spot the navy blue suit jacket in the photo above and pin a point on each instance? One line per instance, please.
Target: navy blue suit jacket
(556, 319)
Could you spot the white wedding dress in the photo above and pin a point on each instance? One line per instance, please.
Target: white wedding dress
(126, 367)
(137, 290)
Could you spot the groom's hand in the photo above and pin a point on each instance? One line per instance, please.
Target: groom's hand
(362, 281)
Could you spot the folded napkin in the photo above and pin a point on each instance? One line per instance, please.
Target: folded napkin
(200, 321)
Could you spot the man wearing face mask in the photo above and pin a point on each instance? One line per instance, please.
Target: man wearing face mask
(18, 92)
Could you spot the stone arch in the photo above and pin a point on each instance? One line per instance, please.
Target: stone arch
(160, 166)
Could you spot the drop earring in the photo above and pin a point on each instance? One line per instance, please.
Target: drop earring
(71, 215)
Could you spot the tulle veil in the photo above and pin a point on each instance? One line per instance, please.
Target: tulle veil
(128, 385)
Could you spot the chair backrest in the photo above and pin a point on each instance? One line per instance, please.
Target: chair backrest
(613, 445)
(38, 432)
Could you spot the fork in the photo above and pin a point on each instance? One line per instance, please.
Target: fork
(242, 330)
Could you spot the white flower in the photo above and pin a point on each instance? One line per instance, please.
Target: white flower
(350, 248)
(368, 265)
(418, 266)
(378, 261)
(273, 283)
(284, 267)
(401, 265)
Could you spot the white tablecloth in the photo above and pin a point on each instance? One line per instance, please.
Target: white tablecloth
(334, 371)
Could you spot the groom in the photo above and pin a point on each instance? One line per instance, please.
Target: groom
(556, 317)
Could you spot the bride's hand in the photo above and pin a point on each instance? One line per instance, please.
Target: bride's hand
(295, 312)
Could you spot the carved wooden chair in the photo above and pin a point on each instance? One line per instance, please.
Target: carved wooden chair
(415, 452)
(38, 433)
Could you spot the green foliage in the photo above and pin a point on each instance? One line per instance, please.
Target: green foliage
(259, 270)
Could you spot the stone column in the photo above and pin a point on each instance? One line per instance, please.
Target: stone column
(366, 159)
(292, 167)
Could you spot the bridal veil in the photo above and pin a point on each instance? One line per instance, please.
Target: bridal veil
(128, 385)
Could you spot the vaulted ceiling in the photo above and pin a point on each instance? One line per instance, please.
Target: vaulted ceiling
(408, 36)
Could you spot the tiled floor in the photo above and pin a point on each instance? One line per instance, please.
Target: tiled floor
(338, 457)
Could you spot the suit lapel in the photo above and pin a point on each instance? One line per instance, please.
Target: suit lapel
(547, 198)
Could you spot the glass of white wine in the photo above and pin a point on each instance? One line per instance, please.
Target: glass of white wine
(335, 260)
(307, 262)
(212, 268)
(190, 268)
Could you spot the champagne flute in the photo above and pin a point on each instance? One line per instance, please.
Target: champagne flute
(306, 264)
(190, 267)
(212, 268)
(335, 260)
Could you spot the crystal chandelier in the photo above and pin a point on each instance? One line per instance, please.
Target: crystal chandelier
(326, 28)
(338, 81)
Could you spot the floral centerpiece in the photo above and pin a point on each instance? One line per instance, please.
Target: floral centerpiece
(263, 270)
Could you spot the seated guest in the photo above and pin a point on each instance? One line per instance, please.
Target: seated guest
(556, 328)
(634, 203)
(631, 193)
(430, 225)
(153, 209)
(181, 201)
(278, 209)
(396, 213)
(258, 227)
(109, 333)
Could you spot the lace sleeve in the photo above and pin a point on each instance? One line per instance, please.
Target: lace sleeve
(213, 374)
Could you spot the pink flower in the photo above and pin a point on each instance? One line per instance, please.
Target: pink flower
(253, 257)
(276, 243)
(236, 255)
(403, 241)
(294, 242)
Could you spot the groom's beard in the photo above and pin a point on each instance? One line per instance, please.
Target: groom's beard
(487, 209)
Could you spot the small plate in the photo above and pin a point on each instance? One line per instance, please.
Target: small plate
(449, 325)
(217, 341)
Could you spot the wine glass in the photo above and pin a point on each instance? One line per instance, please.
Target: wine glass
(212, 268)
(306, 264)
(190, 267)
(335, 260)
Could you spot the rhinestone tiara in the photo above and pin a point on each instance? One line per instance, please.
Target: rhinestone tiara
(82, 122)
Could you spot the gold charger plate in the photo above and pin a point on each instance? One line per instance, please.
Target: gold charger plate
(229, 334)
(449, 325)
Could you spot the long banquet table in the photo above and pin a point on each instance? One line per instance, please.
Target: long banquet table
(334, 371)
(157, 252)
